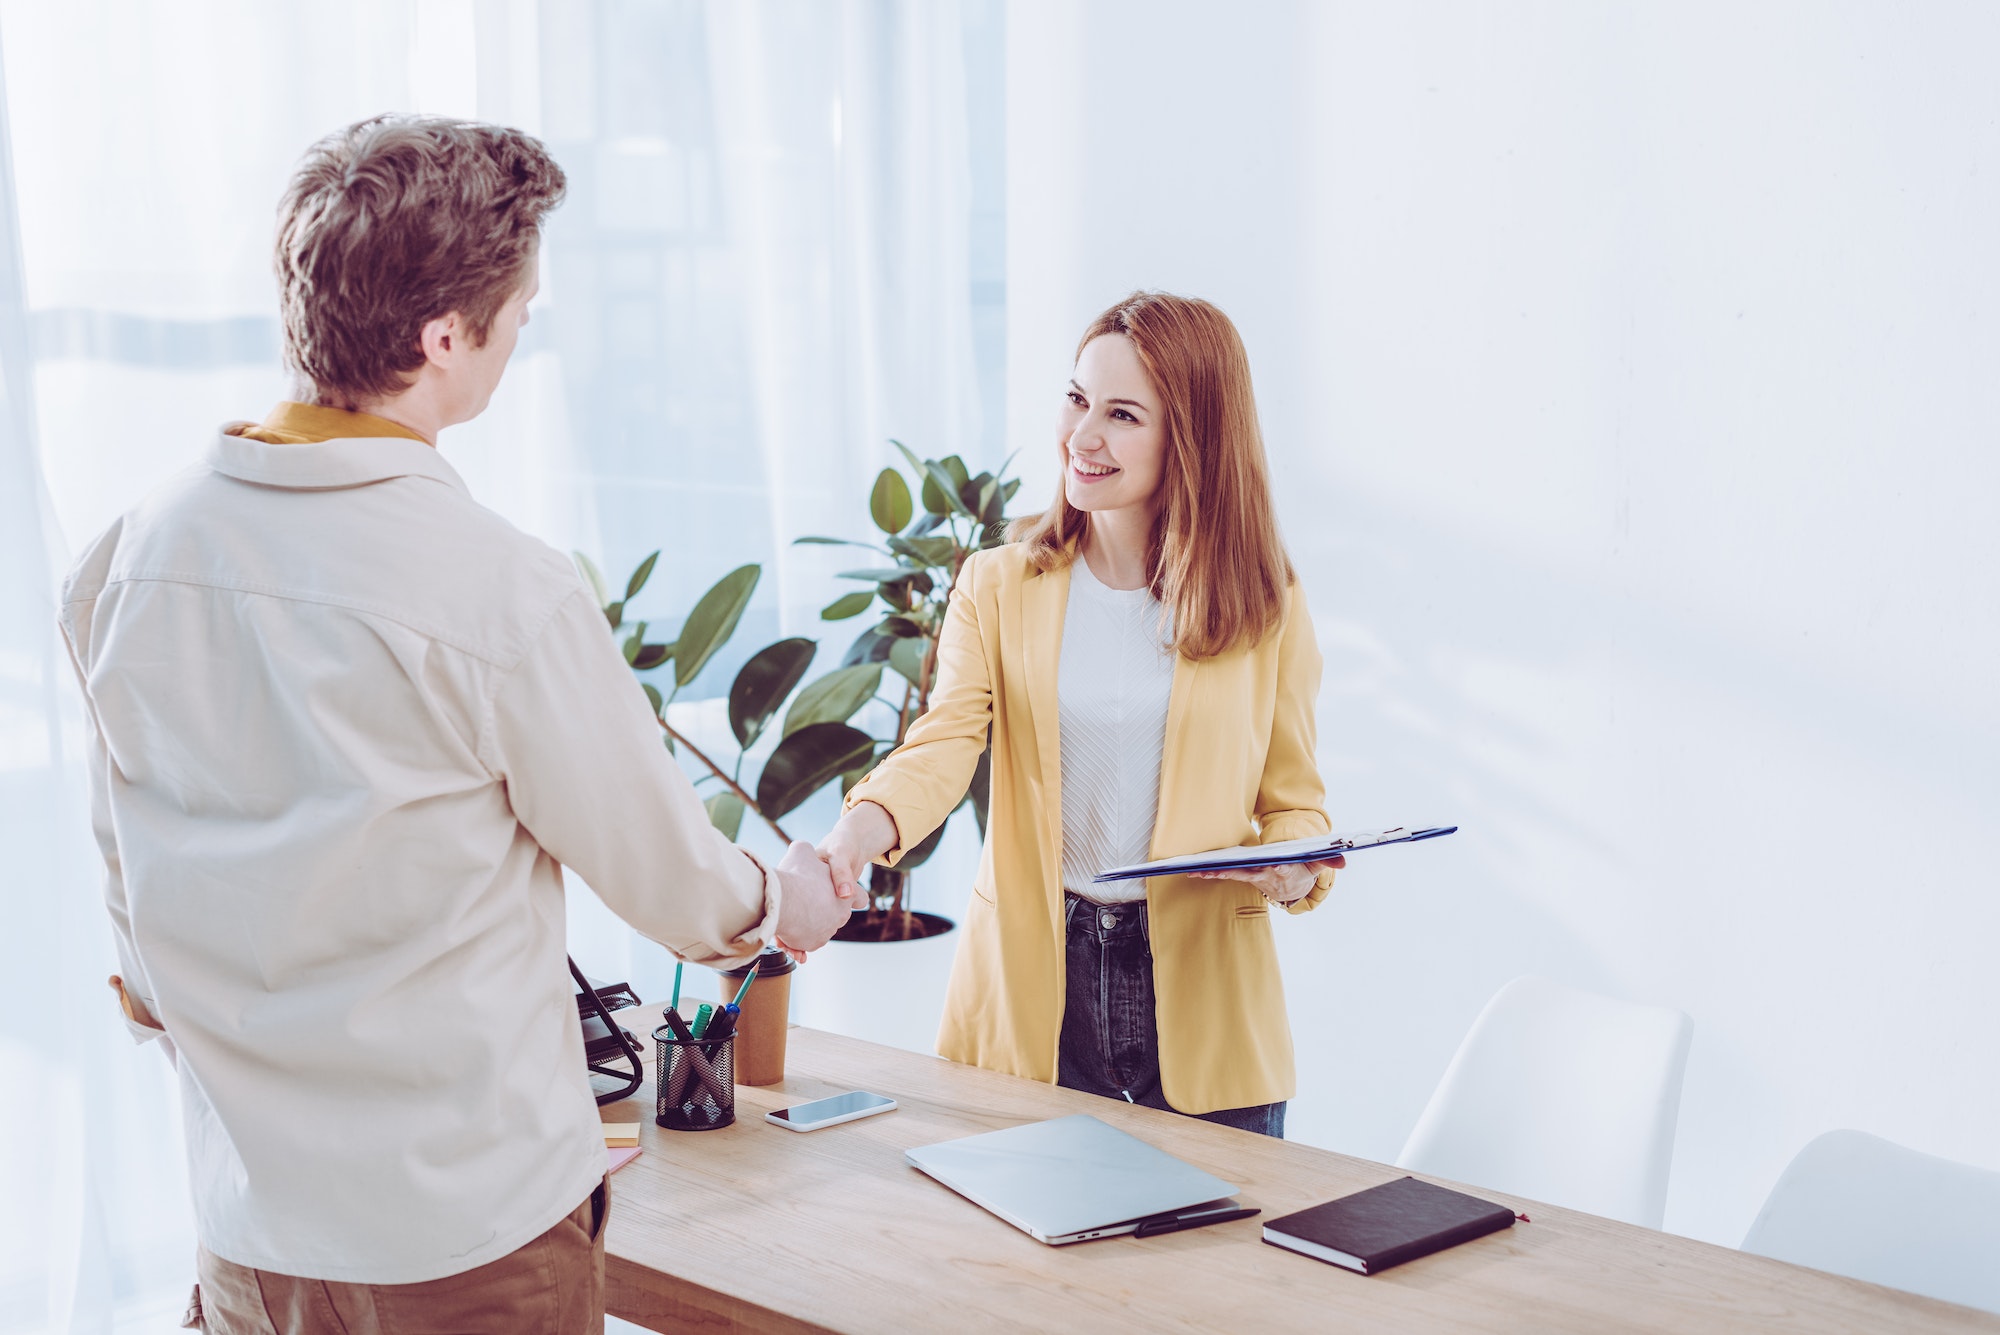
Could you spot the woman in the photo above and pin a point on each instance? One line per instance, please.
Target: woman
(1144, 659)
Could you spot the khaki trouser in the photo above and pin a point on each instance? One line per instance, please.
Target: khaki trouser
(554, 1284)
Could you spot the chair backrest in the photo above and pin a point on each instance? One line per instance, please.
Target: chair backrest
(1861, 1206)
(1563, 1096)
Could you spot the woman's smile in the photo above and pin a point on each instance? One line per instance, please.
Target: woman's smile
(1090, 472)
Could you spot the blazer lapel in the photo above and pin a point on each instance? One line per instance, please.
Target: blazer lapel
(1173, 773)
(1045, 598)
(1044, 601)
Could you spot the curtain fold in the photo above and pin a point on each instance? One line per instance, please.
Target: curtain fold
(759, 277)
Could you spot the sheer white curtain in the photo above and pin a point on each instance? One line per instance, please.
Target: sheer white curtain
(760, 275)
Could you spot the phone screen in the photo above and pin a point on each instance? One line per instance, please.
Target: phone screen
(840, 1105)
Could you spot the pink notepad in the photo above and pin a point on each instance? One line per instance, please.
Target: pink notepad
(617, 1159)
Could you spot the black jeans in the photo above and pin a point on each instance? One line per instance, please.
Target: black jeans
(1110, 1042)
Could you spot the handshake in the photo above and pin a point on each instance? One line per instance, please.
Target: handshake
(821, 886)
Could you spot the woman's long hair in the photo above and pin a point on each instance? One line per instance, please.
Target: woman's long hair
(1215, 559)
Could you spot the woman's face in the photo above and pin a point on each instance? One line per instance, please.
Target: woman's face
(1113, 441)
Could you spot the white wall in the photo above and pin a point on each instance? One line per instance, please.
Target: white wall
(1628, 373)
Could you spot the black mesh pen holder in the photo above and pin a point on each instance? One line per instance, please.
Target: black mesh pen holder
(695, 1082)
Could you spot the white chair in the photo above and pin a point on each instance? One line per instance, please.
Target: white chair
(1564, 1096)
(1860, 1206)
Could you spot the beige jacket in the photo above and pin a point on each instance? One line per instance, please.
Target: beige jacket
(346, 724)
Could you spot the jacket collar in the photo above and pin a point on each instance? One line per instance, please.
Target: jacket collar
(328, 465)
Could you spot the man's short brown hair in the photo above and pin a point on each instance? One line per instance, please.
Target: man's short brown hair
(392, 223)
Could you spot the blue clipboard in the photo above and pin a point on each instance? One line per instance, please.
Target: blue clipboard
(1318, 848)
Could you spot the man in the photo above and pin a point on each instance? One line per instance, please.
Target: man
(347, 725)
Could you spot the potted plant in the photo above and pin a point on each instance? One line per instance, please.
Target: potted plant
(908, 589)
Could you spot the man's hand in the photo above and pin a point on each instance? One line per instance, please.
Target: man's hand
(864, 833)
(1280, 885)
(809, 913)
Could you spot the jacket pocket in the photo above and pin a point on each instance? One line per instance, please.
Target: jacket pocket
(1253, 910)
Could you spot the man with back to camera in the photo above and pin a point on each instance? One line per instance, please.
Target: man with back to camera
(346, 724)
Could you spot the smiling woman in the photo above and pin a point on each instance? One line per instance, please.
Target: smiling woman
(1145, 664)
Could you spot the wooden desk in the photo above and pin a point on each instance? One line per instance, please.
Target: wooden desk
(755, 1228)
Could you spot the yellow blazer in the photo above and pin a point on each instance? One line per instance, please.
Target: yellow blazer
(1238, 768)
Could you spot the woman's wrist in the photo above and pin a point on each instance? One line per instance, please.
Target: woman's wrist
(872, 829)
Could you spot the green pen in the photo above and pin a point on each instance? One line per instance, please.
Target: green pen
(744, 990)
(701, 1019)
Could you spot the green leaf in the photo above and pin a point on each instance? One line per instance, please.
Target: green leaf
(854, 776)
(889, 505)
(651, 656)
(634, 643)
(640, 576)
(834, 542)
(955, 467)
(653, 698)
(924, 525)
(940, 487)
(935, 499)
(870, 646)
(925, 551)
(615, 613)
(592, 576)
(808, 760)
(880, 574)
(725, 813)
(902, 627)
(1007, 492)
(986, 509)
(907, 657)
(763, 684)
(713, 621)
(926, 846)
(834, 697)
(847, 605)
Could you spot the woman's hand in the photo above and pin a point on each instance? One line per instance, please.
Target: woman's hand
(1280, 885)
(864, 833)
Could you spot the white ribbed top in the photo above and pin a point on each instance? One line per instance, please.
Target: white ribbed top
(1112, 687)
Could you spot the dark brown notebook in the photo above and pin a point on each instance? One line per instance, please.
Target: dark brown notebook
(1387, 1225)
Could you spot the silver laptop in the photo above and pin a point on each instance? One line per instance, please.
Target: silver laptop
(1068, 1180)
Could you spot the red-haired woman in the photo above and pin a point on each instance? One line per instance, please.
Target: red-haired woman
(1143, 657)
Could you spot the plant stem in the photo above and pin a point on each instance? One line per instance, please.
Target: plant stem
(748, 801)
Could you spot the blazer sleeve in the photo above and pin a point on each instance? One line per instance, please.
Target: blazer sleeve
(1291, 797)
(922, 781)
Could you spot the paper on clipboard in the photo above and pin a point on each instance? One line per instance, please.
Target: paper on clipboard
(1318, 848)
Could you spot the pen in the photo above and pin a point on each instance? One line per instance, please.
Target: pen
(702, 1017)
(675, 1004)
(1174, 1223)
(736, 1003)
(676, 1075)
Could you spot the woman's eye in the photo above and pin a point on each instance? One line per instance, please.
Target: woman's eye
(1076, 399)
(1123, 416)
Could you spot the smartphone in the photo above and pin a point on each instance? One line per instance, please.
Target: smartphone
(829, 1112)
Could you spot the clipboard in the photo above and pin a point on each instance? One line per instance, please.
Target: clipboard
(1318, 848)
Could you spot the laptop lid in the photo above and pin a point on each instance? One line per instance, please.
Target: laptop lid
(1069, 1176)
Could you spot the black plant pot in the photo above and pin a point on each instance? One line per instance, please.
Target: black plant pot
(893, 925)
